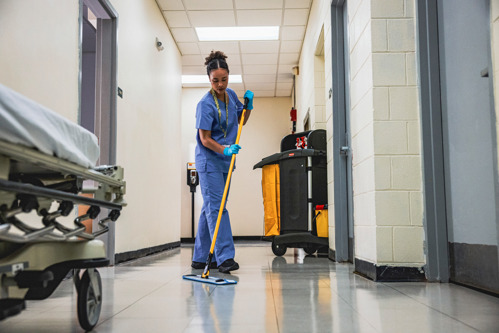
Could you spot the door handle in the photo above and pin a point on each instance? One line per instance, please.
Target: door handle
(484, 72)
(344, 150)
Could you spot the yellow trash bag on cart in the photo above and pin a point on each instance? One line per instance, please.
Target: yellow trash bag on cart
(271, 199)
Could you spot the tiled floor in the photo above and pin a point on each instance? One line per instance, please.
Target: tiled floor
(293, 293)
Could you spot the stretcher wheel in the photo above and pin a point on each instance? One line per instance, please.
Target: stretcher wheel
(278, 249)
(89, 299)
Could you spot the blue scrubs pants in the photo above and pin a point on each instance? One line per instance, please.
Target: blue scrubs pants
(212, 188)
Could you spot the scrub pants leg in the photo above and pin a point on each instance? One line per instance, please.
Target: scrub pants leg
(212, 188)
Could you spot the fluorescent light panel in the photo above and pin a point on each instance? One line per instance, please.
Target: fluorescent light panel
(203, 79)
(237, 33)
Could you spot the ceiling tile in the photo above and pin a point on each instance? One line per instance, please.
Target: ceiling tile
(235, 69)
(259, 4)
(170, 4)
(286, 70)
(293, 32)
(226, 47)
(259, 59)
(250, 47)
(295, 17)
(284, 77)
(208, 5)
(283, 93)
(192, 60)
(201, 18)
(271, 17)
(176, 19)
(289, 59)
(188, 48)
(250, 78)
(193, 70)
(297, 3)
(184, 35)
(291, 46)
(260, 69)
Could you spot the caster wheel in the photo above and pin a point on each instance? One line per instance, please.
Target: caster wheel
(279, 250)
(310, 249)
(89, 299)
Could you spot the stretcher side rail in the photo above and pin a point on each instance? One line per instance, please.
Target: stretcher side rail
(51, 179)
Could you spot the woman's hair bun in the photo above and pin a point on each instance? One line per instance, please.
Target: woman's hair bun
(215, 55)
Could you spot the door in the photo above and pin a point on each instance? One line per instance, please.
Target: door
(98, 87)
(342, 158)
(469, 142)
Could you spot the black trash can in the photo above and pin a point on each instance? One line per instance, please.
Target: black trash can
(302, 165)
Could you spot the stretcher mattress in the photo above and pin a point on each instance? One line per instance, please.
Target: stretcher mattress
(25, 122)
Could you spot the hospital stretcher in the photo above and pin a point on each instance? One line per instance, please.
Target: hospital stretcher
(38, 253)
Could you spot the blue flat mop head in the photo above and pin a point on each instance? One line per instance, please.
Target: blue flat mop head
(209, 279)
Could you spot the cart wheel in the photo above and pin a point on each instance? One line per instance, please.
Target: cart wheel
(89, 299)
(310, 249)
(279, 250)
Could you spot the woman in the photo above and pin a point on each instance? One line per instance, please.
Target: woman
(217, 118)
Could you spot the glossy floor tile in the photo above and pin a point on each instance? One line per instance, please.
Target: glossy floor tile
(293, 293)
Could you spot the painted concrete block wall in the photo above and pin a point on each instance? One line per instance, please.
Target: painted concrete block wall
(362, 129)
(396, 134)
(260, 137)
(313, 85)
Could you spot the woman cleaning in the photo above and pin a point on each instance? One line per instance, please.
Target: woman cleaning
(217, 119)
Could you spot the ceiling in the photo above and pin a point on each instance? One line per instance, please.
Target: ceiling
(266, 66)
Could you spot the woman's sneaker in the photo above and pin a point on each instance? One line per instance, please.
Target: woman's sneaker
(228, 265)
(201, 265)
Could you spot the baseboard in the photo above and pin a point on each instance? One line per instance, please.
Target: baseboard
(389, 273)
(131, 255)
(236, 238)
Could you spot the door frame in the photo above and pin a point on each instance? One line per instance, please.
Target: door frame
(432, 141)
(343, 196)
(105, 92)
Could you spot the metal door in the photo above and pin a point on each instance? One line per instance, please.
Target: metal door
(469, 134)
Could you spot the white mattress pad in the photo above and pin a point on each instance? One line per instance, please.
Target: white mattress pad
(25, 122)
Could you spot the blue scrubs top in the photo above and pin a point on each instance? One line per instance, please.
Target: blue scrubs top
(207, 118)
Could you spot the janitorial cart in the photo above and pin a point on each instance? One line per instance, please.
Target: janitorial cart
(294, 187)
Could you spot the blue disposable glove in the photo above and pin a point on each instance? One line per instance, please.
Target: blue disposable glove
(233, 149)
(249, 95)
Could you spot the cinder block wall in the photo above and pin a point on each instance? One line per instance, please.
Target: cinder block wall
(387, 156)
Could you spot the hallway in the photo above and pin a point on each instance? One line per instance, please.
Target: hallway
(293, 293)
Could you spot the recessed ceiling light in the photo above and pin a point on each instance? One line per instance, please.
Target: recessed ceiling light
(237, 33)
(203, 80)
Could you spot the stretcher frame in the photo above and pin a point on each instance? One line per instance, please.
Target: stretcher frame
(35, 259)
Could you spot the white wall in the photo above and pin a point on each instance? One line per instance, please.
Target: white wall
(37, 58)
(260, 137)
(149, 127)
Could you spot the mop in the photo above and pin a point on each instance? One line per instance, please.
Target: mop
(205, 277)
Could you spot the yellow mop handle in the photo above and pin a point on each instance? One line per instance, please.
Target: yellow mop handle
(226, 189)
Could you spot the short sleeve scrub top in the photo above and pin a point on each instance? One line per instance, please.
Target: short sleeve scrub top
(213, 168)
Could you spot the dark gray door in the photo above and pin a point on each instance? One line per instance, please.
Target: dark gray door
(470, 149)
